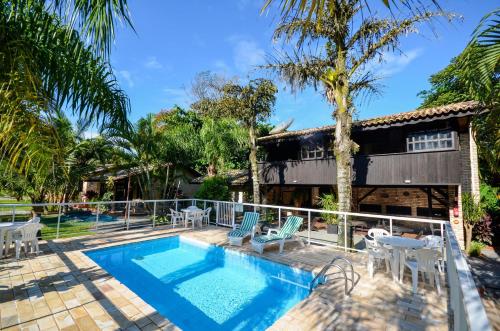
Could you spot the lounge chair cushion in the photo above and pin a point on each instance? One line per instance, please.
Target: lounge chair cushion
(237, 233)
(250, 219)
(270, 237)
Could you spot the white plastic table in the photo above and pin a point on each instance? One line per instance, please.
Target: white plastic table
(7, 228)
(186, 211)
(399, 246)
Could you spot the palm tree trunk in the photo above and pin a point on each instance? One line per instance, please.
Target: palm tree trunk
(211, 170)
(253, 165)
(468, 235)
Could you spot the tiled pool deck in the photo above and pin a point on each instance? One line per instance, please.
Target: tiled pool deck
(62, 289)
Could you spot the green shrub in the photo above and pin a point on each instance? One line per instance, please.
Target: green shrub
(214, 188)
(489, 198)
(329, 202)
(475, 248)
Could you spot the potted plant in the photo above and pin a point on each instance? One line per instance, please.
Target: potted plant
(329, 202)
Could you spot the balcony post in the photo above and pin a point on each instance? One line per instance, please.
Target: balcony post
(309, 228)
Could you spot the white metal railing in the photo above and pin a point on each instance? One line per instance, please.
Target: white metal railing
(466, 304)
(225, 215)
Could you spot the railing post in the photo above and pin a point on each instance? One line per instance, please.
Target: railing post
(233, 215)
(216, 213)
(128, 216)
(279, 217)
(154, 214)
(13, 213)
(204, 204)
(309, 228)
(97, 216)
(390, 225)
(176, 205)
(58, 221)
(345, 232)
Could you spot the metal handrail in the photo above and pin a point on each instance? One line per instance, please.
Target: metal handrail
(342, 270)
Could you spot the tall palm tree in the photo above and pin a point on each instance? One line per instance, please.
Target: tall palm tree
(347, 41)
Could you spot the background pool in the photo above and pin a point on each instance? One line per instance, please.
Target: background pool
(204, 287)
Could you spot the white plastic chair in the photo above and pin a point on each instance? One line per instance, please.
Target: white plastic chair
(195, 217)
(426, 263)
(27, 235)
(35, 219)
(436, 243)
(377, 232)
(376, 253)
(176, 217)
(206, 215)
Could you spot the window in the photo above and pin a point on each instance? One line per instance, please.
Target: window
(370, 208)
(429, 141)
(311, 152)
(436, 212)
(398, 210)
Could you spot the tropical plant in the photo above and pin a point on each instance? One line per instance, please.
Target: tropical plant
(347, 41)
(317, 10)
(214, 188)
(483, 230)
(472, 213)
(46, 66)
(490, 198)
(329, 202)
(475, 248)
(250, 105)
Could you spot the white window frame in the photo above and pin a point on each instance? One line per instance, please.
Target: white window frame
(317, 149)
(425, 138)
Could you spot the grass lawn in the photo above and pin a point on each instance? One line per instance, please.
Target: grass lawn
(67, 228)
(13, 201)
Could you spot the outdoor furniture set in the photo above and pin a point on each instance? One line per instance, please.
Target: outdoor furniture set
(420, 256)
(22, 234)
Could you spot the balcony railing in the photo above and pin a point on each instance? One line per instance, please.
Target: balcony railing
(429, 168)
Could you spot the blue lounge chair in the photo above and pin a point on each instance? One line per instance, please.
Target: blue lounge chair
(279, 236)
(243, 230)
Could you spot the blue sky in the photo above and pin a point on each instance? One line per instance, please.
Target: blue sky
(174, 40)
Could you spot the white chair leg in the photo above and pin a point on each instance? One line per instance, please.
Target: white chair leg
(414, 279)
(370, 266)
(26, 243)
(282, 244)
(18, 249)
(438, 283)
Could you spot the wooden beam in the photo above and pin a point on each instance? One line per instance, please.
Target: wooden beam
(444, 194)
(429, 200)
(367, 194)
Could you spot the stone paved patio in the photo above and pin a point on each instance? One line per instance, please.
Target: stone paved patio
(62, 289)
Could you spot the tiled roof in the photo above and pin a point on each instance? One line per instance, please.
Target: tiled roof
(234, 177)
(418, 114)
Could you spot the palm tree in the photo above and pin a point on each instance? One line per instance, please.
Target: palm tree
(46, 66)
(250, 105)
(347, 42)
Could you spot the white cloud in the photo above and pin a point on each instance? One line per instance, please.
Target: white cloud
(247, 54)
(152, 63)
(177, 96)
(222, 67)
(89, 134)
(127, 77)
(394, 63)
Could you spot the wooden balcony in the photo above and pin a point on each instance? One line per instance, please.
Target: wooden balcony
(430, 168)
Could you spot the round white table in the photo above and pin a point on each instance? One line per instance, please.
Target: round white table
(7, 228)
(399, 245)
(187, 211)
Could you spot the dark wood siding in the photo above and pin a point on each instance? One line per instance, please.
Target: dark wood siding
(432, 168)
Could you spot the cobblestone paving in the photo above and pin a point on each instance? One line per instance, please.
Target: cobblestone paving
(62, 289)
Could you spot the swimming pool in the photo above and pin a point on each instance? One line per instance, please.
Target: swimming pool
(204, 287)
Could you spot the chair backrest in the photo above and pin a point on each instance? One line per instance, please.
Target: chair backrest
(35, 219)
(377, 232)
(175, 213)
(371, 245)
(291, 226)
(29, 231)
(207, 212)
(426, 259)
(433, 241)
(197, 214)
(250, 219)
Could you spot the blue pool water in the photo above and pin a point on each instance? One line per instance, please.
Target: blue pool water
(204, 287)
